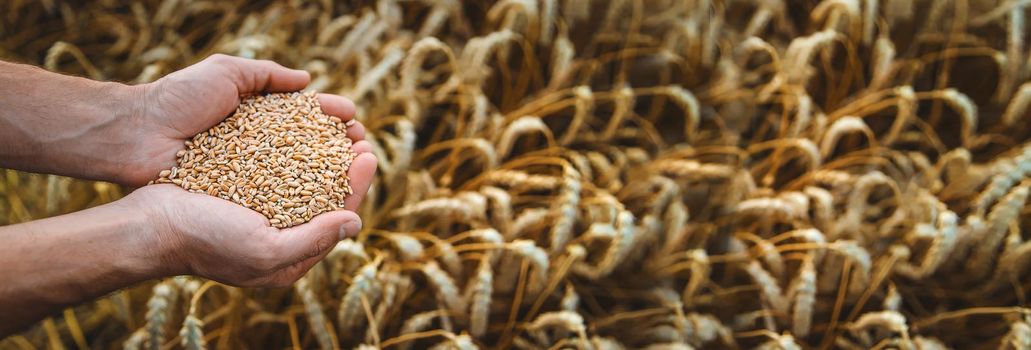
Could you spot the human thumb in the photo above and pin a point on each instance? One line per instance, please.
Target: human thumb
(319, 235)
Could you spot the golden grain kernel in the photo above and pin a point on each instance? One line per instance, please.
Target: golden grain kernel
(270, 155)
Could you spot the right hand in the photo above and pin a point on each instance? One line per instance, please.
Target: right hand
(206, 236)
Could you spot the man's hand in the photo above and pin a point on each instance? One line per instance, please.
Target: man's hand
(187, 102)
(220, 240)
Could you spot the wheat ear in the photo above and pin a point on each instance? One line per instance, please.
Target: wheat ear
(316, 315)
(479, 296)
(159, 309)
(363, 284)
(803, 289)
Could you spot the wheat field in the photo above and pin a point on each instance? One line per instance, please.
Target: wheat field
(625, 174)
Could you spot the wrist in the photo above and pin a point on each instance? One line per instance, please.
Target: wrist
(128, 106)
(159, 244)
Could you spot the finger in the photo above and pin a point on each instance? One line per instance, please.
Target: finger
(361, 147)
(361, 172)
(337, 106)
(317, 236)
(356, 132)
(251, 76)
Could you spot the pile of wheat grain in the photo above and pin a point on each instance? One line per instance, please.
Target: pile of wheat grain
(278, 154)
(609, 174)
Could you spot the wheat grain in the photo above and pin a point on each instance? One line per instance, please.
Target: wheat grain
(277, 155)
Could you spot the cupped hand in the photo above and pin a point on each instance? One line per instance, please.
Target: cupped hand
(217, 239)
(187, 102)
(220, 240)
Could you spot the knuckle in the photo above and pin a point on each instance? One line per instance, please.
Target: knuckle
(322, 244)
(219, 57)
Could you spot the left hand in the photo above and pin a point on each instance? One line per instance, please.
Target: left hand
(180, 105)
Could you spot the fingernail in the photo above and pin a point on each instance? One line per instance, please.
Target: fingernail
(350, 228)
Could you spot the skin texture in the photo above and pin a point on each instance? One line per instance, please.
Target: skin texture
(127, 134)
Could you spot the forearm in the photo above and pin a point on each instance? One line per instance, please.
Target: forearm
(50, 264)
(66, 125)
